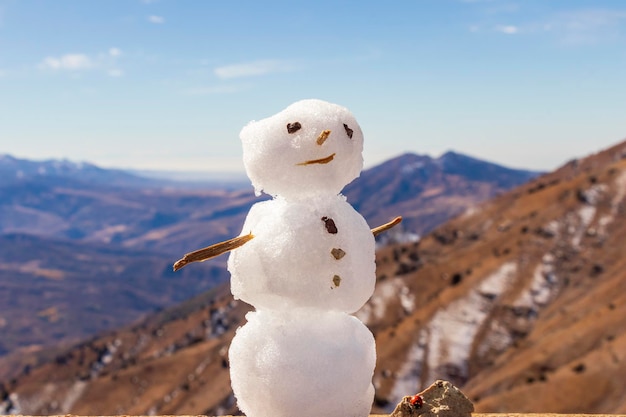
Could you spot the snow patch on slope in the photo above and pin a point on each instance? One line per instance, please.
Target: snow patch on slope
(453, 329)
(384, 294)
(585, 216)
(620, 193)
(542, 286)
(445, 343)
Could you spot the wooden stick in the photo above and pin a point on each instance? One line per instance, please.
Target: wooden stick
(212, 251)
(217, 249)
(383, 228)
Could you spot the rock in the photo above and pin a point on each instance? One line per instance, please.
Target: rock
(441, 399)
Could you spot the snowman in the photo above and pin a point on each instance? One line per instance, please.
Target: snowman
(305, 261)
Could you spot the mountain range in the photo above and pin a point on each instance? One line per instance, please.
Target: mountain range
(428, 191)
(520, 301)
(13, 170)
(80, 201)
(87, 249)
(77, 238)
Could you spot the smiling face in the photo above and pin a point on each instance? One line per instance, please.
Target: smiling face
(311, 147)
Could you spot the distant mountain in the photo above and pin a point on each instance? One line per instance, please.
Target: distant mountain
(73, 233)
(77, 201)
(13, 169)
(65, 291)
(521, 302)
(428, 191)
(164, 220)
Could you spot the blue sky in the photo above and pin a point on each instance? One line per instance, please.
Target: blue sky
(168, 85)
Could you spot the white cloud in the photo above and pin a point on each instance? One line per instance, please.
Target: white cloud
(115, 52)
(106, 62)
(156, 19)
(71, 62)
(507, 29)
(251, 69)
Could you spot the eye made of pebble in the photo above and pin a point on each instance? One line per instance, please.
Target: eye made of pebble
(294, 127)
(348, 130)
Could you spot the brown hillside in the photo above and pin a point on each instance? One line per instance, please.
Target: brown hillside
(520, 302)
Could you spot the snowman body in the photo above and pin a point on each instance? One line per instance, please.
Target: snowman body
(309, 265)
(305, 254)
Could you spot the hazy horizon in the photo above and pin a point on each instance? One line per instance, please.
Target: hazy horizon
(183, 174)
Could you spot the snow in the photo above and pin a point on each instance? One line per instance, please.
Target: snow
(552, 228)
(74, 393)
(303, 364)
(585, 215)
(587, 212)
(497, 339)
(409, 379)
(289, 263)
(10, 405)
(274, 158)
(384, 294)
(447, 339)
(542, 287)
(593, 194)
(309, 264)
(471, 211)
(620, 193)
(407, 300)
(410, 168)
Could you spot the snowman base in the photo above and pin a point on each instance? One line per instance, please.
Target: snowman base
(306, 363)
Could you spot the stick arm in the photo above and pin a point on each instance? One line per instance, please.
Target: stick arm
(212, 251)
(217, 249)
(383, 228)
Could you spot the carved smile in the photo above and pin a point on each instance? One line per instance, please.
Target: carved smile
(318, 161)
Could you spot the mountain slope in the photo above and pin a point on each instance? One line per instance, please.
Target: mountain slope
(429, 191)
(519, 301)
(52, 291)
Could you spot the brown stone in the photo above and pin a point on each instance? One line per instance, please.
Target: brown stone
(441, 399)
(338, 253)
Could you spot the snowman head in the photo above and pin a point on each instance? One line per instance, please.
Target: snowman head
(311, 147)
